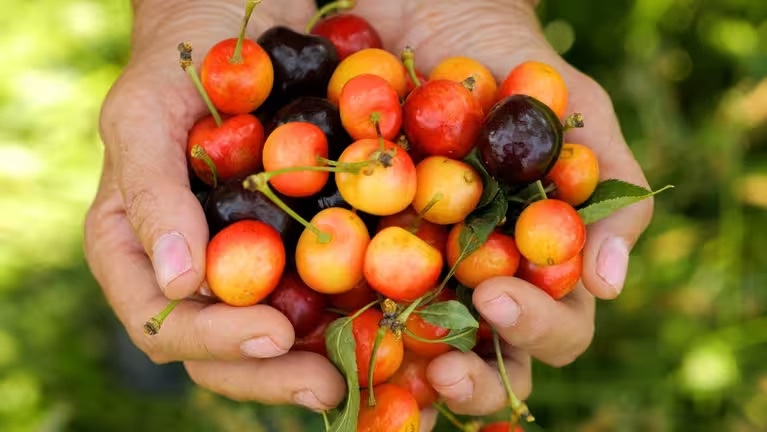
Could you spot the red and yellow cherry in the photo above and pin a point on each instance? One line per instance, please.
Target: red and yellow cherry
(424, 330)
(237, 73)
(411, 376)
(367, 96)
(400, 265)
(374, 61)
(245, 262)
(302, 305)
(431, 233)
(389, 354)
(296, 145)
(501, 426)
(385, 187)
(539, 80)
(334, 266)
(447, 191)
(442, 118)
(226, 152)
(498, 256)
(355, 298)
(557, 280)
(458, 68)
(575, 174)
(314, 341)
(549, 232)
(396, 410)
(348, 32)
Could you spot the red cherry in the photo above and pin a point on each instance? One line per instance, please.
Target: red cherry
(349, 33)
(314, 341)
(302, 305)
(557, 280)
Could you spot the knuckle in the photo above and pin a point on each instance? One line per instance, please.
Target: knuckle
(138, 204)
(534, 334)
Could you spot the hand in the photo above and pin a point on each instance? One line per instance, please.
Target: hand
(502, 34)
(146, 235)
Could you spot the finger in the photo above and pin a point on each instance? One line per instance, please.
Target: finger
(526, 317)
(301, 378)
(146, 133)
(471, 386)
(428, 419)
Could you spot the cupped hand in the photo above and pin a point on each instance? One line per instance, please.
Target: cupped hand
(146, 234)
(500, 35)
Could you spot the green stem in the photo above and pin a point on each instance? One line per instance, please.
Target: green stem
(259, 183)
(518, 408)
(152, 327)
(199, 153)
(237, 56)
(185, 53)
(450, 273)
(417, 221)
(541, 190)
(408, 59)
(449, 416)
(337, 311)
(445, 339)
(364, 308)
(326, 421)
(336, 6)
(371, 368)
(375, 118)
(268, 175)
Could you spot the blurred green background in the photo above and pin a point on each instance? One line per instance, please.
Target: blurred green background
(683, 349)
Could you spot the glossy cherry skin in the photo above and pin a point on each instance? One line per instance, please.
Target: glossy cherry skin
(235, 147)
(442, 118)
(501, 426)
(396, 410)
(549, 232)
(348, 32)
(539, 80)
(557, 280)
(388, 356)
(302, 305)
(431, 233)
(319, 112)
(363, 96)
(354, 299)
(411, 376)
(295, 145)
(314, 341)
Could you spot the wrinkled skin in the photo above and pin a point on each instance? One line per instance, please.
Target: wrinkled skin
(145, 187)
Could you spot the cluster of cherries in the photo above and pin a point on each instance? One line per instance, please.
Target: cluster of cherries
(365, 199)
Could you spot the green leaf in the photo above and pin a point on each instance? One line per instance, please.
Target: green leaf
(463, 340)
(451, 315)
(490, 185)
(480, 224)
(465, 295)
(341, 347)
(612, 195)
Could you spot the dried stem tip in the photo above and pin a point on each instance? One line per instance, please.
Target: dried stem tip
(408, 54)
(185, 54)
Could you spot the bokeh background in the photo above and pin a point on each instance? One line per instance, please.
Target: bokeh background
(683, 349)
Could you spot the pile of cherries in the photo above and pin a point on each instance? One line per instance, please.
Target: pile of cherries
(365, 200)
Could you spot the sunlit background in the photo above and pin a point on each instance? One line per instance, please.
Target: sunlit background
(683, 349)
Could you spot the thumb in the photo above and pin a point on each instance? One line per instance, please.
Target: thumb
(147, 137)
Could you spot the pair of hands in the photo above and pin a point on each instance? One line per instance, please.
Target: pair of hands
(145, 233)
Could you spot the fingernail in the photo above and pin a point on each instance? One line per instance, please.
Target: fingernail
(613, 262)
(309, 400)
(261, 347)
(501, 311)
(461, 391)
(171, 258)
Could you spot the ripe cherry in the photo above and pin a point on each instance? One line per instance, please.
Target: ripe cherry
(244, 262)
(334, 266)
(400, 265)
(385, 187)
(369, 105)
(302, 305)
(447, 191)
(389, 353)
(431, 233)
(424, 330)
(539, 80)
(237, 73)
(348, 32)
(549, 232)
(457, 68)
(575, 174)
(395, 410)
(442, 118)
(354, 299)
(314, 341)
(501, 426)
(411, 376)
(557, 280)
(374, 61)
(498, 256)
(296, 145)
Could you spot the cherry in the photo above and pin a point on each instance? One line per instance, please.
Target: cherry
(557, 280)
(447, 191)
(411, 84)
(370, 107)
(501, 426)
(457, 68)
(296, 145)
(374, 61)
(348, 32)
(549, 232)
(424, 330)
(400, 265)
(575, 174)
(388, 355)
(237, 73)
(244, 262)
(314, 341)
(395, 410)
(319, 112)
(409, 219)
(498, 256)
(354, 299)
(538, 80)
(411, 376)
(302, 305)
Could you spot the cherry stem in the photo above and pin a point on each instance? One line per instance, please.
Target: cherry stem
(431, 296)
(336, 6)
(199, 153)
(403, 142)
(408, 59)
(185, 53)
(573, 121)
(518, 408)
(445, 339)
(469, 83)
(152, 327)
(541, 190)
(375, 118)
(260, 183)
(326, 421)
(237, 56)
(364, 308)
(413, 228)
(450, 416)
(371, 368)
